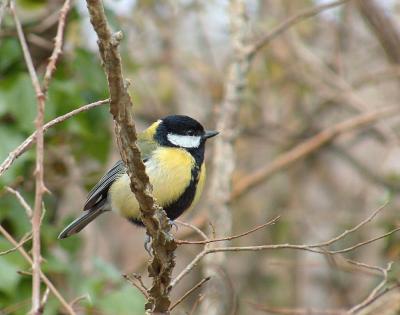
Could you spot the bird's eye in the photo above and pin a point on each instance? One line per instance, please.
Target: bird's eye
(190, 133)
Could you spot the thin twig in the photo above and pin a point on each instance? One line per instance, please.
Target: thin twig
(3, 6)
(58, 42)
(196, 304)
(387, 301)
(48, 283)
(319, 248)
(355, 228)
(293, 20)
(24, 239)
(194, 228)
(328, 83)
(39, 184)
(295, 311)
(138, 286)
(39, 41)
(45, 22)
(309, 146)
(198, 285)
(24, 273)
(229, 238)
(80, 298)
(376, 290)
(44, 300)
(24, 146)
(372, 240)
(139, 279)
(21, 200)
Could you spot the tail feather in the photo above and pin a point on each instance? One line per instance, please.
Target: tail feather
(79, 223)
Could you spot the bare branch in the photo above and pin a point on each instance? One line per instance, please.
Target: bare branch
(384, 27)
(355, 228)
(21, 200)
(198, 285)
(309, 146)
(48, 283)
(220, 181)
(196, 304)
(3, 6)
(293, 20)
(372, 240)
(80, 298)
(296, 311)
(44, 300)
(24, 239)
(138, 286)
(376, 290)
(229, 238)
(387, 302)
(319, 248)
(39, 184)
(154, 218)
(24, 146)
(58, 41)
(194, 228)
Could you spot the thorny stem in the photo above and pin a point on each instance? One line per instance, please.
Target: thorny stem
(39, 186)
(154, 218)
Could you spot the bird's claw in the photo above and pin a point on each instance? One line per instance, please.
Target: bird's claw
(148, 240)
(173, 224)
(147, 244)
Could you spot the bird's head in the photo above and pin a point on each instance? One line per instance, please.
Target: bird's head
(181, 131)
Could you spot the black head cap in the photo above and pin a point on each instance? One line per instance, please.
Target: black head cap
(171, 127)
(182, 125)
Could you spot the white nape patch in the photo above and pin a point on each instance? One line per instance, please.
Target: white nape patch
(184, 141)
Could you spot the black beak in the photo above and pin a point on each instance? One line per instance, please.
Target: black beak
(210, 134)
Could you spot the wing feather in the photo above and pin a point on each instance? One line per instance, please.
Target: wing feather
(100, 190)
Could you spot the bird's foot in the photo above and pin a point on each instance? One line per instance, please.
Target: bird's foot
(173, 224)
(147, 244)
(148, 240)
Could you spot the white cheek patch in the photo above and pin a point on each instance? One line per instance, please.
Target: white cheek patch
(184, 141)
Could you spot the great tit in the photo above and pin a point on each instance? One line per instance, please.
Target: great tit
(173, 153)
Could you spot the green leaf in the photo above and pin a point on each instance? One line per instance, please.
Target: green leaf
(9, 276)
(17, 97)
(122, 301)
(10, 55)
(10, 138)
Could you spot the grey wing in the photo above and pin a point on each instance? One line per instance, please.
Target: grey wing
(98, 195)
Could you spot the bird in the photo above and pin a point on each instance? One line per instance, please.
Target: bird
(172, 150)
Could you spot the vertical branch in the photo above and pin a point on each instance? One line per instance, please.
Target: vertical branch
(153, 217)
(40, 188)
(383, 26)
(39, 185)
(3, 6)
(58, 41)
(223, 167)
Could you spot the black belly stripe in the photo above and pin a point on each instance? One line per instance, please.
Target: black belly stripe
(176, 208)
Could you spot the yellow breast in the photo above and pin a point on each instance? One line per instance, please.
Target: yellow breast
(169, 171)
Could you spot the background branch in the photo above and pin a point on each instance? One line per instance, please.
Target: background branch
(39, 185)
(220, 182)
(24, 146)
(309, 146)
